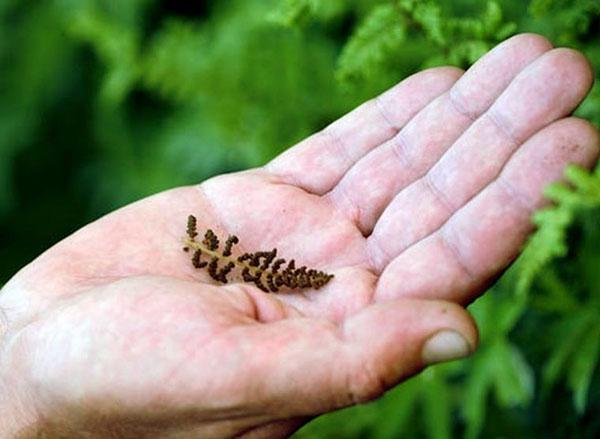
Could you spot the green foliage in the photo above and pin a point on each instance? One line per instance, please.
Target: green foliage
(576, 16)
(299, 12)
(34, 66)
(581, 321)
(379, 46)
(104, 102)
(380, 35)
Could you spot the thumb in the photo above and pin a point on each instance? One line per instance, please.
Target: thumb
(316, 366)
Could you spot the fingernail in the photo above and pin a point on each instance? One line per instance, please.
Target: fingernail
(445, 345)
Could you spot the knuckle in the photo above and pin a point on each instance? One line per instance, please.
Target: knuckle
(365, 383)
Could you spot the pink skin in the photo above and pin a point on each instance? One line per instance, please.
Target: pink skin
(416, 201)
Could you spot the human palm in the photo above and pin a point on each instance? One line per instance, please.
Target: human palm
(415, 201)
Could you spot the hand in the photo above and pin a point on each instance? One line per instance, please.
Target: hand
(416, 201)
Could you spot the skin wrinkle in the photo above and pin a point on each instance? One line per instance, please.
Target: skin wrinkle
(364, 383)
(275, 231)
(71, 302)
(522, 228)
(240, 246)
(400, 141)
(282, 182)
(438, 194)
(435, 106)
(278, 428)
(357, 216)
(353, 207)
(138, 425)
(444, 239)
(442, 75)
(355, 213)
(400, 150)
(338, 145)
(461, 108)
(449, 243)
(25, 408)
(403, 155)
(4, 327)
(514, 147)
(212, 338)
(492, 183)
(356, 375)
(496, 119)
(287, 180)
(383, 112)
(517, 200)
(369, 250)
(530, 45)
(253, 310)
(457, 101)
(219, 221)
(61, 304)
(520, 199)
(423, 175)
(503, 126)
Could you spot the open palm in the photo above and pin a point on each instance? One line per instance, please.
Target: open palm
(415, 201)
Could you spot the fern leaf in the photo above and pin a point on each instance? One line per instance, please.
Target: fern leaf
(568, 329)
(478, 384)
(176, 61)
(436, 404)
(117, 46)
(299, 12)
(376, 39)
(583, 365)
(263, 268)
(549, 242)
(514, 382)
(429, 16)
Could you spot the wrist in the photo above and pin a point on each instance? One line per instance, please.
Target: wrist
(17, 411)
(12, 412)
(16, 415)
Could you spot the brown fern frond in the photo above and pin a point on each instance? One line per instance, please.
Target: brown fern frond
(262, 268)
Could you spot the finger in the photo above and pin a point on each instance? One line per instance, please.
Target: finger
(459, 260)
(305, 367)
(369, 186)
(329, 153)
(546, 90)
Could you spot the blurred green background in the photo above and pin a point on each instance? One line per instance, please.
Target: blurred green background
(103, 102)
